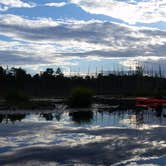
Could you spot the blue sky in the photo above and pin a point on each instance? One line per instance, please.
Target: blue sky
(82, 34)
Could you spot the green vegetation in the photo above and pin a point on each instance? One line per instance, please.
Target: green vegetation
(80, 98)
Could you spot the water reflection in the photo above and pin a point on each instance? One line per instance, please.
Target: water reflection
(139, 118)
(118, 117)
(71, 135)
(6, 118)
(47, 116)
(158, 110)
(81, 117)
(51, 116)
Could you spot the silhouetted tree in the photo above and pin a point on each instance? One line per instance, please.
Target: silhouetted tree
(59, 72)
(50, 83)
(49, 71)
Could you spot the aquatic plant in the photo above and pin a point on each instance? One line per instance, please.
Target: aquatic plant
(80, 97)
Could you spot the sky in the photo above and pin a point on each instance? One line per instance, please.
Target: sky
(83, 35)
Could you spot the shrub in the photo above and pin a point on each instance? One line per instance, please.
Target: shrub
(80, 97)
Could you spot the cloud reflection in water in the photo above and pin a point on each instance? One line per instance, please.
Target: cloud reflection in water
(96, 132)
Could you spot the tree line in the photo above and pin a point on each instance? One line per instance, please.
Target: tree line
(52, 83)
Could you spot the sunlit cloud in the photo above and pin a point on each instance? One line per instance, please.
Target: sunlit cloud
(63, 41)
(143, 11)
(6, 4)
(60, 4)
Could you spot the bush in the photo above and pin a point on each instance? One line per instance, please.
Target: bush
(80, 98)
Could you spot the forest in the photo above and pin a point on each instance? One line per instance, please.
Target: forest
(52, 83)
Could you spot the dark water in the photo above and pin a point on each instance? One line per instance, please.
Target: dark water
(99, 115)
(39, 137)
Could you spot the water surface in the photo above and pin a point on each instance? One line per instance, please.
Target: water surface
(47, 137)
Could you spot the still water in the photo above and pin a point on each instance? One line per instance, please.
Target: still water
(98, 115)
(47, 136)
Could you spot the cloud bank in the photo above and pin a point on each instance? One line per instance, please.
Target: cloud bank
(6, 4)
(130, 11)
(66, 40)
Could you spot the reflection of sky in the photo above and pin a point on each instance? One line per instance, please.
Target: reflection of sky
(151, 161)
(35, 131)
(42, 136)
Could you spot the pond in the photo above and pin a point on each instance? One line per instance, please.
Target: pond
(83, 136)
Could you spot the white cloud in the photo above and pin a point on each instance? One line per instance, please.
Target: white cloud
(105, 34)
(3, 8)
(60, 4)
(47, 41)
(6, 4)
(31, 54)
(143, 11)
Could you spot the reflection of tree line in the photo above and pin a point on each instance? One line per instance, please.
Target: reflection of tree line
(82, 116)
(51, 116)
(141, 116)
(136, 116)
(78, 117)
(11, 117)
(6, 118)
